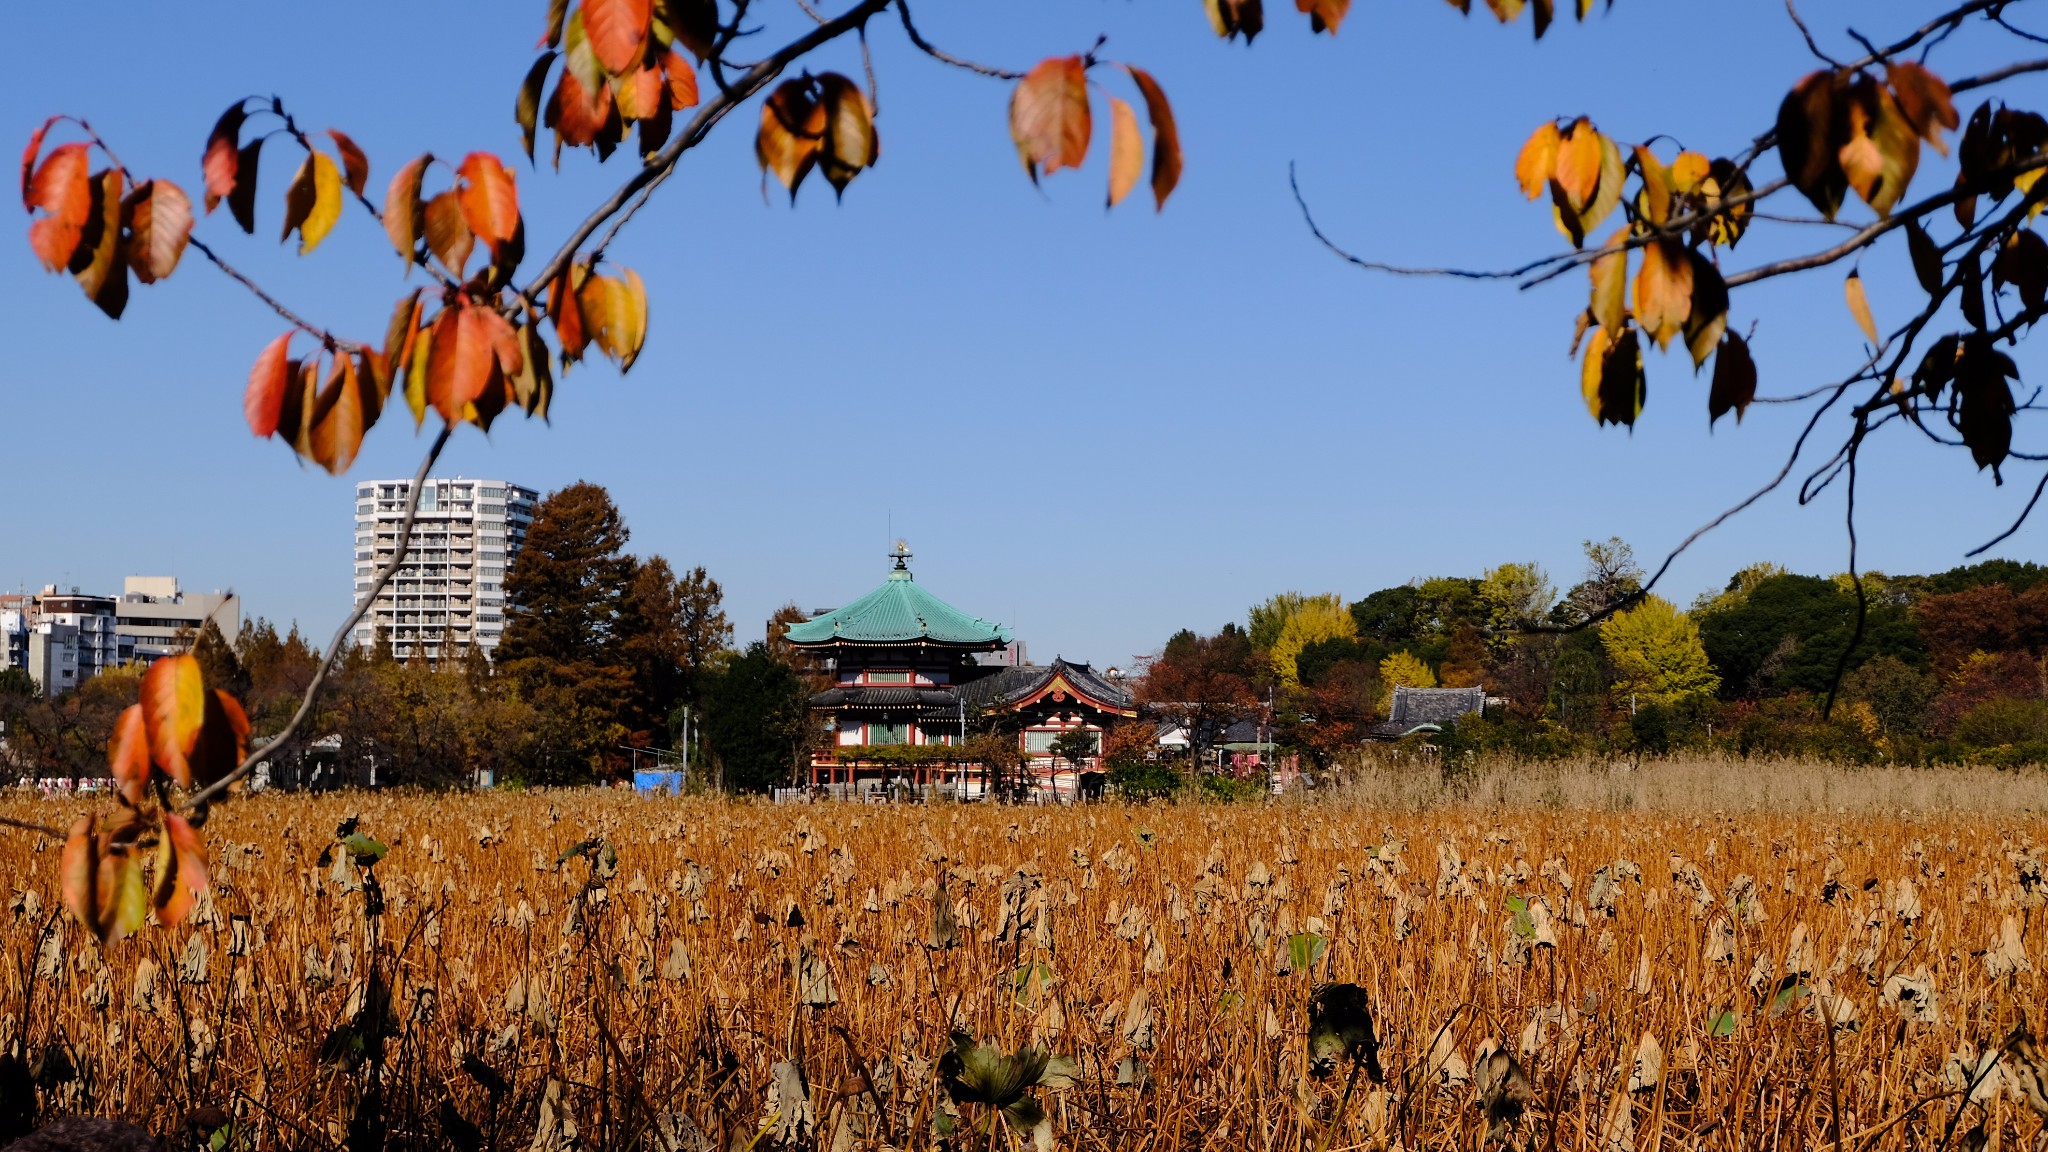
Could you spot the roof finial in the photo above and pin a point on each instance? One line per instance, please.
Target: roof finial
(901, 555)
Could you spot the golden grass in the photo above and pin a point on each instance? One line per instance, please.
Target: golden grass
(1154, 937)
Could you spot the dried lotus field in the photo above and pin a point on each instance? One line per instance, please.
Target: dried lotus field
(592, 970)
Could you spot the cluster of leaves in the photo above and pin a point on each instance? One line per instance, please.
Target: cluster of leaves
(180, 734)
(1051, 123)
(1247, 18)
(817, 122)
(100, 225)
(619, 67)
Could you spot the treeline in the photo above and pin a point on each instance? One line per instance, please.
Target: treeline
(1944, 668)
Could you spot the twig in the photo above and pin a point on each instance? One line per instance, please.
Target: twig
(31, 826)
(2024, 513)
(1400, 270)
(1808, 34)
(944, 57)
(276, 305)
(341, 635)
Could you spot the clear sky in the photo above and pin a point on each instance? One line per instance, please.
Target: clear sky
(1096, 427)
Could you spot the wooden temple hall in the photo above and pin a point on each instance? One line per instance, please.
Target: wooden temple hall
(915, 678)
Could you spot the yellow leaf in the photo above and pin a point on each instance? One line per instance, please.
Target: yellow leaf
(1859, 307)
(1687, 171)
(313, 203)
(1578, 164)
(1126, 151)
(1656, 201)
(1664, 290)
(416, 375)
(1610, 282)
(1538, 160)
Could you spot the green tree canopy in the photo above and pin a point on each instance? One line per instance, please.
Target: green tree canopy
(756, 719)
(564, 589)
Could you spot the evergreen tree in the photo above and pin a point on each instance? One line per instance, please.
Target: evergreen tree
(564, 589)
(756, 719)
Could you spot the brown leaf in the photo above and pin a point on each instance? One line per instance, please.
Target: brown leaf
(792, 131)
(1708, 317)
(404, 216)
(1234, 18)
(1126, 150)
(2022, 262)
(1725, 182)
(222, 162)
(1881, 149)
(400, 336)
(1610, 283)
(1734, 380)
(1812, 128)
(1611, 378)
(1983, 405)
(1924, 99)
(850, 143)
(159, 224)
(242, 198)
(1663, 290)
(1537, 162)
(63, 189)
(1859, 307)
(1166, 158)
(1049, 118)
(534, 385)
(355, 166)
(448, 234)
(223, 739)
(98, 263)
(263, 401)
(1927, 267)
(527, 109)
(1971, 299)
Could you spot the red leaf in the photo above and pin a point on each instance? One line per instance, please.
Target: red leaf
(682, 81)
(181, 870)
(1049, 117)
(174, 708)
(222, 163)
(268, 380)
(459, 361)
(578, 114)
(355, 166)
(617, 31)
(567, 313)
(128, 754)
(34, 150)
(62, 188)
(490, 202)
(159, 224)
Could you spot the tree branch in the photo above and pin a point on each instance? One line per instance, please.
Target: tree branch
(709, 114)
(944, 57)
(334, 648)
(276, 305)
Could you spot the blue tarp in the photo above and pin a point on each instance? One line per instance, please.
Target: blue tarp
(665, 780)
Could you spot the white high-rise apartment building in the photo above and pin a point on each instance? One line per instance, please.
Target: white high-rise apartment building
(449, 595)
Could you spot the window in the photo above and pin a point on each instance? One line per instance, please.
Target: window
(888, 677)
(1039, 743)
(888, 733)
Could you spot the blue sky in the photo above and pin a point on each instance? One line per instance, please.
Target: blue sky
(1096, 427)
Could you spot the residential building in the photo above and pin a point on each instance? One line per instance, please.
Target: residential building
(449, 595)
(909, 669)
(157, 618)
(60, 639)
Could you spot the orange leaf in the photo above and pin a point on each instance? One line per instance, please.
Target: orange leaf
(338, 423)
(1324, 15)
(128, 754)
(448, 234)
(682, 81)
(578, 113)
(791, 133)
(355, 166)
(1165, 136)
(223, 160)
(403, 215)
(1882, 148)
(1538, 160)
(29, 155)
(1859, 307)
(567, 314)
(1610, 283)
(1126, 150)
(1049, 118)
(159, 224)
(80, 869)
(174, 707)
(618, 31)
(98, 263)
(640, 93)
(264, 398)
(1578, 164)
(460, 362)
(1664, 290)
(62, 188)
(490, 202)
(180, 871)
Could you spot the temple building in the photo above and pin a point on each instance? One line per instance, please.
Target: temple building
(914, 678)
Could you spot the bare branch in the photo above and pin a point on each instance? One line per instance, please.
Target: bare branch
(31, 826)
(276, 305)
(944, 57)
(341, 635)
(1811, 46)
(1399, 270)
(1988, 545)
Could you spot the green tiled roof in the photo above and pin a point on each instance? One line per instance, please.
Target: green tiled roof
(899, 612)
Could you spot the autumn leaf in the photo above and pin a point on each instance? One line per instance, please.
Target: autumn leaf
(1926, 257)
(62, 188)
(567, 314)
(1725, 182)
(448, 234)
(223, 739)
(1166, 158)
(527, 110)
(1324, 15)
(1983, 401)
(1734, 383)
(1049, 118)
(618, 32)
(403, 214)
(1537, 162)
(1663, 290)
(174, 708)
(1610, 282)
(128, 754)
(102, 881)
(641, 93)
(1708, 317)
(1811, 134)
(1611, 377)
(791, 134)
(578, 113)
(1688, 171)
(2022, 262)
(222, 161)
(461, 362)
(30, 155)
(1578, 164)
(400, 334)
(851, 144)
(489, 198)
(1859, 307)
(355, 166)
(313, 202)
(180, 870)
(534, 385)
(1882, 148)
(1924, 99)
(98, 263)
(1126, 150)
(344, 413)
(242, 199)
(1234, 18)
(159, 225)
(682, 81)
(264, 398)
(416, 371)
(1656, 194)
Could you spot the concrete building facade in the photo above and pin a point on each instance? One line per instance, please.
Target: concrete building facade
(449, 595)
(157, 618)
